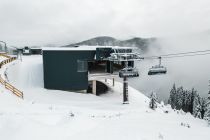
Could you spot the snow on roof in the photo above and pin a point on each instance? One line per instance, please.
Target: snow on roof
(84, 48)
(36, 48)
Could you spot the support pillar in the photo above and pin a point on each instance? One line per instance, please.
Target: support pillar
(94, 87)
(125, 90)
(125, 87)
(109, 66)
(113, 82)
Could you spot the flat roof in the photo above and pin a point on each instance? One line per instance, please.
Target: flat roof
(36, 48)
(84, 48)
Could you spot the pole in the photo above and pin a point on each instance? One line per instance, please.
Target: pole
(19, 55)
(5, 45)
(159, 61)
(125, 90)
(125, 87)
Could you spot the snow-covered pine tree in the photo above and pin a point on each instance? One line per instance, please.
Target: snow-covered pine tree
(188, 100)
(207, 113)
(203, 106)
(193, 95)
(207, 116)
(197, 108)
(153, 101)
(179, 98)
(172, 97)
(184, 101)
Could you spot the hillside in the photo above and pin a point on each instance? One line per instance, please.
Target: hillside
(51, 114)
(141, 43)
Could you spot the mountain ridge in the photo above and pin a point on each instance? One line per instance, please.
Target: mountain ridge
(142, 43)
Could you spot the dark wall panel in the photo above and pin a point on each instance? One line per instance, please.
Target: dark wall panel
(60, 69)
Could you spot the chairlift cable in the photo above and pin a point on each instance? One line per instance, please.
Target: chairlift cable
(193, 52)
(187, 55)
(184, 54)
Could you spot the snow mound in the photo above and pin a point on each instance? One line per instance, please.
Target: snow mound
(51, 114)
(27, 74)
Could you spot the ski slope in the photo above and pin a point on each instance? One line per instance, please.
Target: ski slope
(59, 115)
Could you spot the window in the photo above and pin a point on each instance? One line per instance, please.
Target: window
(82, 66)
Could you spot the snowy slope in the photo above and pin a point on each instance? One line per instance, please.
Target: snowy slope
(59, 115)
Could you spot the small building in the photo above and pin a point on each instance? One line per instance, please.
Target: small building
(31, 50)
(69, 68)
(26, 50)
(36, 51)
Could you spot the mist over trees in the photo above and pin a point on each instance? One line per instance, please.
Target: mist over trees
(189, 101)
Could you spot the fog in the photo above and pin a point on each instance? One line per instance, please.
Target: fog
(189, 72)
(179, 25)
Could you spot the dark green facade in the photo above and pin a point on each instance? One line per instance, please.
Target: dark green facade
(61, 69)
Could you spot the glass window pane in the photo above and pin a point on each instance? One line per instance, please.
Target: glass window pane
(82, 66)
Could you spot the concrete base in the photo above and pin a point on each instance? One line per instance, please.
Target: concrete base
(78, 91)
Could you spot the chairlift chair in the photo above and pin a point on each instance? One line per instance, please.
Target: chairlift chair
(128, 72)
(157, 69)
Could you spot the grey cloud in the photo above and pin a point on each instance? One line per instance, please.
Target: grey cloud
(39, 22)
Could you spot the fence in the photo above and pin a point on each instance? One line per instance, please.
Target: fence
(6, 84)
(4, 62)
(5, 55)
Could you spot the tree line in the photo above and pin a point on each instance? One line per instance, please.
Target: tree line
(190, 101)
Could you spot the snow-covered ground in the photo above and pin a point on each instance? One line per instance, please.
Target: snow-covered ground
(60, 115)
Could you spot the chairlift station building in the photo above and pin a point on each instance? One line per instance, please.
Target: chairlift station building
(69, 68)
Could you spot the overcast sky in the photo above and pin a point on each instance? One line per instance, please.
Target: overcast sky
(41, 22)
